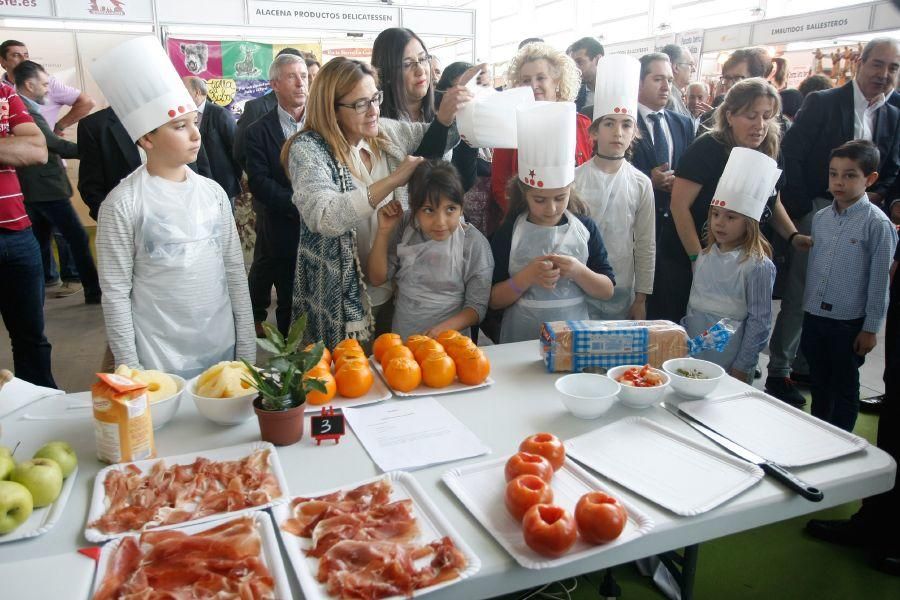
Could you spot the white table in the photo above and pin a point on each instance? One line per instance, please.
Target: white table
(521, 402)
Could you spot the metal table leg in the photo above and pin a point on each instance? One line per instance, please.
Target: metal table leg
(683, 568)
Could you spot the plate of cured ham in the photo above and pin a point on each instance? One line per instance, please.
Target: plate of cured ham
(232, 558)
(162, 493)
(339, 541)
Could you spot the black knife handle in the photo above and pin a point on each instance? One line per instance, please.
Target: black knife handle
(792, 481)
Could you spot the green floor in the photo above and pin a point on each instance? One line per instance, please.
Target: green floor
(772, 563)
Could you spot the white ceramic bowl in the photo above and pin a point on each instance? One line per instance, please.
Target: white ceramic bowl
(224, 411)
(586, 395)
(639, 397)
(163, 410)
(689, 387)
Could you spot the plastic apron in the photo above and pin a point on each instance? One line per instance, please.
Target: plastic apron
(565, 302)
(613, 209)
(430, 282)
(183, 321)
(718, 291)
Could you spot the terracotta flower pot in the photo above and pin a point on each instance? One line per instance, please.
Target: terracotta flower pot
(280, 427)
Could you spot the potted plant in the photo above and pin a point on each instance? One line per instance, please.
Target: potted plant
(281, 383)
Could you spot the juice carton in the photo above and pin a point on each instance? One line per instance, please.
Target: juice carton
(122, 423)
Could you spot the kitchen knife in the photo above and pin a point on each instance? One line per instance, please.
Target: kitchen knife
(775, 470)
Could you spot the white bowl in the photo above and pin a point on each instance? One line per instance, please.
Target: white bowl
(586, 395)
(224, 411)
(163, 410)
(689, 387)
(639, 397)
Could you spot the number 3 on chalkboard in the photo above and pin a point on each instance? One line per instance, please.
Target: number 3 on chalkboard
(327, 426)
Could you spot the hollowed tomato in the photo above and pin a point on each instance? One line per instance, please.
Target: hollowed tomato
(524, 463)
(548, 446)
(525, 491)
(600, 517)
(549, 530)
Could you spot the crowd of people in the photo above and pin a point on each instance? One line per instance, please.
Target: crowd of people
(628, 194)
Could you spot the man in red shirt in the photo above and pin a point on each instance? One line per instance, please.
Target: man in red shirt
(21, 271)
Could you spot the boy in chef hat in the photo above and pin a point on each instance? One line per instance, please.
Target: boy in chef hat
(549, 255)
(620, 197)
(175, 294)
(734, 274)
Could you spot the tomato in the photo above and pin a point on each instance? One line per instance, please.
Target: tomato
(640, 377)
(383, 342)
(395, 352)
(403, 374)
(524, 463)
(549, 530)
(548, 446)
(525, 491)
(354, 378)
(425, 348)
(472, 366)
(600, 517)
(438, 370)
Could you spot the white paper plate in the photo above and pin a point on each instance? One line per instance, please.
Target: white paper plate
(424, 390)
(774, 430)
(432, 526)
(99, 502)
(59, 576)
(664, 467)
(481, 488)
(43, 519)
(271, 554)
(377, 393)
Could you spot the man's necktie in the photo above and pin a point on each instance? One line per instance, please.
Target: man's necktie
(660, 144)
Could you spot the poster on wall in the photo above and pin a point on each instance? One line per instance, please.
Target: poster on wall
(693, 41)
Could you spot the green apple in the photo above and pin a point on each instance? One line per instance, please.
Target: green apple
(62, 453)
(42, 477)
(7, 464)
(15, 505)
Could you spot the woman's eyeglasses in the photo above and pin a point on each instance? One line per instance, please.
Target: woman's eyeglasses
(732, 79)
(362, 106)
(424, 61)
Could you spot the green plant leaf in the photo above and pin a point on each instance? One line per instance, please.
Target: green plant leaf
(273, 335)
(280, 363)
(295, 335)
(268, 345)
(311, 383)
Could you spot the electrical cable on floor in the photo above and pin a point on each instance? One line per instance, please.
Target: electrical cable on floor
(542, 592)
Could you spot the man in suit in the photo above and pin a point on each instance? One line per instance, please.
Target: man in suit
(683, 67)
(586, 53)
(108, 156)
(46, 187)
(827, 119)
(253, 110)
(217, 129)
(278, 221)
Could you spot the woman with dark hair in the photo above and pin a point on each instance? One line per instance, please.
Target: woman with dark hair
(404, 68)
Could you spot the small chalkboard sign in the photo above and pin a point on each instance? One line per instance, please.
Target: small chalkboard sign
(327, 426)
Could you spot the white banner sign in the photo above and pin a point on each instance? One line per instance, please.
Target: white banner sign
(321, 15)
(636, 48)
(26, 8)
(693, 41)
(109, 10)
(813, 26)
(726, 38)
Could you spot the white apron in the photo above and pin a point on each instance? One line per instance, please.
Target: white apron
(718, 291)
(612, 201)
(430, 282)
(183, 321)
(565, 302)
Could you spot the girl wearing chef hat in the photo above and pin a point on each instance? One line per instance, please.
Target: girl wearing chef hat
(175, 292)
(619, 196)
(548, 254)
(734, 273)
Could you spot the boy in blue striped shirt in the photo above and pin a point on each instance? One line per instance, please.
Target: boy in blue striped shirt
(846, 283)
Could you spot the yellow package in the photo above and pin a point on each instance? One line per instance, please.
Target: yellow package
(123, 426)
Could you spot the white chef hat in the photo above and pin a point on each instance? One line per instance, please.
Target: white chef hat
(489, 120)
(616, 86)
(142, 86)
(747, 182)
(546, 136)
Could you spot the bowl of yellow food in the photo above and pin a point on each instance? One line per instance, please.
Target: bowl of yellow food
(222, 393)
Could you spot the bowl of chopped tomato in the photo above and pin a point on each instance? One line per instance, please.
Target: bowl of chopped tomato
(642, 385)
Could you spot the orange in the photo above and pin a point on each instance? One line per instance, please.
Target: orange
(456, 345)
(351, 354)
(447, 335)
(326, 355)
(438, 370)
(395, 352)
(414, 340)
(426, 347)
(349, 342)
(472, 366)
(354, 379)
(318, 370)
(403, 374)
(316, 397)
(385, 341)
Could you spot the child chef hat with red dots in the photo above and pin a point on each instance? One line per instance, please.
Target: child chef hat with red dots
(616, 91)
(546, 138)
(747, 182)
(141, 85)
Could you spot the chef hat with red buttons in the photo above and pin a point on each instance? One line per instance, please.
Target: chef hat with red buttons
(747, 182)
(616, 88)
(546, 138)
(141, 85)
